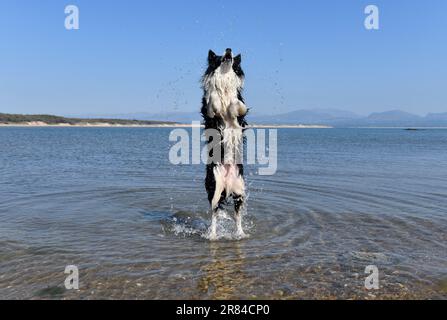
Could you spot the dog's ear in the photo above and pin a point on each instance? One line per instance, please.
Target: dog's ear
(211, 56)
(237, 60)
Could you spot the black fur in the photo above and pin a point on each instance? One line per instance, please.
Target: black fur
(214, 62)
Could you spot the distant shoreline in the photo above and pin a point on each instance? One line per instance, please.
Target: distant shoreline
(41, 120)
(186, 125)
(44, 120)
(160, 125)
(94, 125)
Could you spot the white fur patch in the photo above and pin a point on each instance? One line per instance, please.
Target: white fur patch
(222, 87)
(232, 142)
(227, 178)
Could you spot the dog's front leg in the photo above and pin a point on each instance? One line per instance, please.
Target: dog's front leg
(238, 108)
(214, 105)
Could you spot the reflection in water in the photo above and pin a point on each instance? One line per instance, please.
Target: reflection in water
(224, 274)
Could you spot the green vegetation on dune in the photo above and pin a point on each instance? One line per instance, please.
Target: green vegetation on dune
(54, 120)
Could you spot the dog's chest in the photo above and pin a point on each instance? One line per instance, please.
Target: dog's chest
(225, 85)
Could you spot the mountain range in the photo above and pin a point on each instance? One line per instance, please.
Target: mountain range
(331, 117)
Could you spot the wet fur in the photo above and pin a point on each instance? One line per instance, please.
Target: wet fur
(216, 195)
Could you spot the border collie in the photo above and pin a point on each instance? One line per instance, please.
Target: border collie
(224, 110)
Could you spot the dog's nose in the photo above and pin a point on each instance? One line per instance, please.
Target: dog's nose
(228, 54)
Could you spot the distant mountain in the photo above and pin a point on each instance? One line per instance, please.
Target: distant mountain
(331, 117)
(341, 118)
(317, 116)
(437, 116)
(393, 115)
(305, 116)
(398, 118)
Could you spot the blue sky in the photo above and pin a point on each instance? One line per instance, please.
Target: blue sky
(148, 56)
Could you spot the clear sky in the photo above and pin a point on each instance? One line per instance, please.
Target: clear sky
(148, 56)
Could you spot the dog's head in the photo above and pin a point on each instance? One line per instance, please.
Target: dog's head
(225, 63)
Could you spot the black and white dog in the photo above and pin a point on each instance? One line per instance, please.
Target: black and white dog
(224, 110)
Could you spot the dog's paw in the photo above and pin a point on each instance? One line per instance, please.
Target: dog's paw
(242, 110)
(214, 105)
(212, 236)
(237, 109)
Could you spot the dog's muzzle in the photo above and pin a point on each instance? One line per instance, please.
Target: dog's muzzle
(228, 56)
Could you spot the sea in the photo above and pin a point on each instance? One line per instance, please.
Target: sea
(347, 214)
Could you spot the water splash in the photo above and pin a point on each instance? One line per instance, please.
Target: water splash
(191, 225)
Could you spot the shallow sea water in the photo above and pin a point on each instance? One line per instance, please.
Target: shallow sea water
(108, 201)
